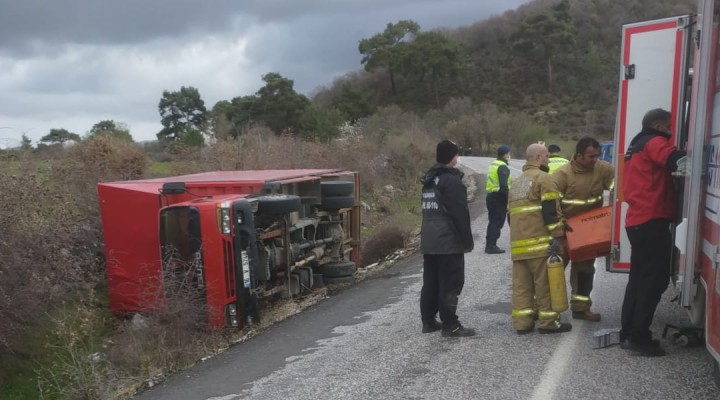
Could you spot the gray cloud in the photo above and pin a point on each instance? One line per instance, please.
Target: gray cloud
(71, 63)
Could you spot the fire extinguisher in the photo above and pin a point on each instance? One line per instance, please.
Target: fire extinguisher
(556, 283)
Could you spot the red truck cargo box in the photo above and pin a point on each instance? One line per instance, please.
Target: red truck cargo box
(589, 234)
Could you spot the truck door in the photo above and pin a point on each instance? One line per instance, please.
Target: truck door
(653, 74)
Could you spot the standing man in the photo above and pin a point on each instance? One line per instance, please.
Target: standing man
(555, 161)
(581, 183)
(648, 189)
(444, 238)
(497, 187)
(536, 231)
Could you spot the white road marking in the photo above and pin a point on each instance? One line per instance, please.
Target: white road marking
(555, 369)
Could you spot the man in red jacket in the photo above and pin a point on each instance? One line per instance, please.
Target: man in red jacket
(648, 189)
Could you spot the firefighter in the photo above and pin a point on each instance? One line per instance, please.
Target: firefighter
(536, 230)
(648, 189)
(581, 183)
(497, 186)
(555, 161)
(445, 236)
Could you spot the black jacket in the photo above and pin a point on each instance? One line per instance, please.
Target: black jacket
(446, 217)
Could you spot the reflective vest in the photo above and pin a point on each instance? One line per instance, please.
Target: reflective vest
(555, 162)
(493, 180)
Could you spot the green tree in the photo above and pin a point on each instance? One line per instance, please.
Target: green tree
(275, 105)
(354, 101)
(385, 50)
(545, 35)
(434, 60)
(25, 142)
(59, 136)
(111, 128)
(321, 123)
(180, 110)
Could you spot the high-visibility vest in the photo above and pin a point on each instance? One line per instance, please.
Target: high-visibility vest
(493, 180)
(555, 162)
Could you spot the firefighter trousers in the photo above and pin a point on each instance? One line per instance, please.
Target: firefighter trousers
(530, 290)
(650, 269)
(443, 280)
(582, 274)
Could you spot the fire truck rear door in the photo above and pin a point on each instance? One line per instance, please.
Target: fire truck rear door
(652, 75)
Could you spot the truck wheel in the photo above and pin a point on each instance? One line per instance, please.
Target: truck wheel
(335, 270)
(276, 204)
(336, 202)
(337, 188)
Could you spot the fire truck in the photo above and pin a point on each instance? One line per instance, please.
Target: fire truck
(674, 64)
(228, 239)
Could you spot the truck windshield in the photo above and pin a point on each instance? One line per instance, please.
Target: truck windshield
(180, 242)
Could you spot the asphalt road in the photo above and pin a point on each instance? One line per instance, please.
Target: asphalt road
(364, 342)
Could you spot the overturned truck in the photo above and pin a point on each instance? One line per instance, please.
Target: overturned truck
(231, 238)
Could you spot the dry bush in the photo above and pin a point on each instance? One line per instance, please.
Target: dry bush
(77, 370)
(51, 241)
(171, 338)
(383, 243)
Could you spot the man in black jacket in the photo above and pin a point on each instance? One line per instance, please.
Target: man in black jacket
(444, 238)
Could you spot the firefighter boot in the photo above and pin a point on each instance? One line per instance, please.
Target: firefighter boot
(587, 315)
(491, 247)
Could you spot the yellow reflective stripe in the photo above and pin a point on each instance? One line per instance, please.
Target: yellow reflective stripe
(577, 297)
(582, 202)
(553, 226)
(547, 315)
(550, 196)
(523, 209)
(531, 241)
(612, 185)
(523, 312)
(529, 249)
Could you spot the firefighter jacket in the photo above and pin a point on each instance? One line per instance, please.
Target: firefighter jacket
(498, 178)
(535, 214)
(647, 184)
(446, 217)
(555, 162)
(582, 188)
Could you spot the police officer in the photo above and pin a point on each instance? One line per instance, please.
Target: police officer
(497, 186)
(444, 238)
(536, 231)
(555, 161)
(581, 183)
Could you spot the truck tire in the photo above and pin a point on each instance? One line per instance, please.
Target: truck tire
(339, 269)
(337, 202)
(337, 188)
(277, 204)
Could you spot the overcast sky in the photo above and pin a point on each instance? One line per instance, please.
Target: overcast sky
(72, 63)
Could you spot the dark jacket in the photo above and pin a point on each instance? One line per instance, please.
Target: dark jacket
(446, 217)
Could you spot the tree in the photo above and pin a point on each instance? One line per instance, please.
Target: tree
(384, 50)
(321, 123)
(354, 101)
(546, 35)
(59, 136)
(180, 110)
(432, 58)
(276, 105)
(25, 143)
(111, 128)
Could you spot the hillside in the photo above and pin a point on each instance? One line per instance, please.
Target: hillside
(554, 61)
